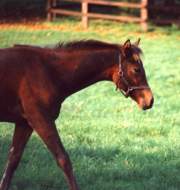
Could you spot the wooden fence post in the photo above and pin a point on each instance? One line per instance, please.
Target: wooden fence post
(54, 4)
(85, 14)
(49, 14)
(144, 15)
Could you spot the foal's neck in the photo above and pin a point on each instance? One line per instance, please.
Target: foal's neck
(84, 68)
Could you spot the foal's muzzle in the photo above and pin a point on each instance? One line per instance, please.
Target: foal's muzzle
(145, 106)
(145, 99)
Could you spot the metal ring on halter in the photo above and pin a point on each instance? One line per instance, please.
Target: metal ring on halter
(129, 87)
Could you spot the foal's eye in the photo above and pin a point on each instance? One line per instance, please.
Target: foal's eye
(137, 70)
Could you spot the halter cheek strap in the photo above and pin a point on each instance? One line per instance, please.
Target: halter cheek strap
(122, 78)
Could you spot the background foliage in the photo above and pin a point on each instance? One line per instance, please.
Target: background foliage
(32, 8)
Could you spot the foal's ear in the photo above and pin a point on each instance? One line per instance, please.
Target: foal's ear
(127, 44)
(126, 48)
(137, 42)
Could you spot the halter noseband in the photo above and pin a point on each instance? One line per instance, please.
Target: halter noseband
(130, 88)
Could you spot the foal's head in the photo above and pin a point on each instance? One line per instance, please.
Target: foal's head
(130, 77)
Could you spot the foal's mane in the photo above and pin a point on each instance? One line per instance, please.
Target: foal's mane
(92, 44)
(86, 45)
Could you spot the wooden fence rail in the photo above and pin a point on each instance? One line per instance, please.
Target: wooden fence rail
(53, 10)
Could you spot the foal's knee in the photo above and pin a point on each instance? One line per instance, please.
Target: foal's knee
(64, 162)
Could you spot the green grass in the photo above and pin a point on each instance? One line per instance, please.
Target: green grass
(113, 145)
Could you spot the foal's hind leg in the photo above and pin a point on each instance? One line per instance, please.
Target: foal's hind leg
(46, 129)
(20, 138)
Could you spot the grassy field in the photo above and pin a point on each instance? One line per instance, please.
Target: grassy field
(113, 145)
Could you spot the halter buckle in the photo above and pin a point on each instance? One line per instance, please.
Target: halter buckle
(126, 94)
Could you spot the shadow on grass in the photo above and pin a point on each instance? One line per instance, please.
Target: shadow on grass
(95, 168)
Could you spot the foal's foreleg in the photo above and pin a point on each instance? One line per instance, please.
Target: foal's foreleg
(20, 138)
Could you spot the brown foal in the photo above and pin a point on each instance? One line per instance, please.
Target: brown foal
(35, 81)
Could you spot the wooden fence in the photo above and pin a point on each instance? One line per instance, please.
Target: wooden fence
(53, 10)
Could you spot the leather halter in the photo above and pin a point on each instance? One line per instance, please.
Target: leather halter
(130, 88)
